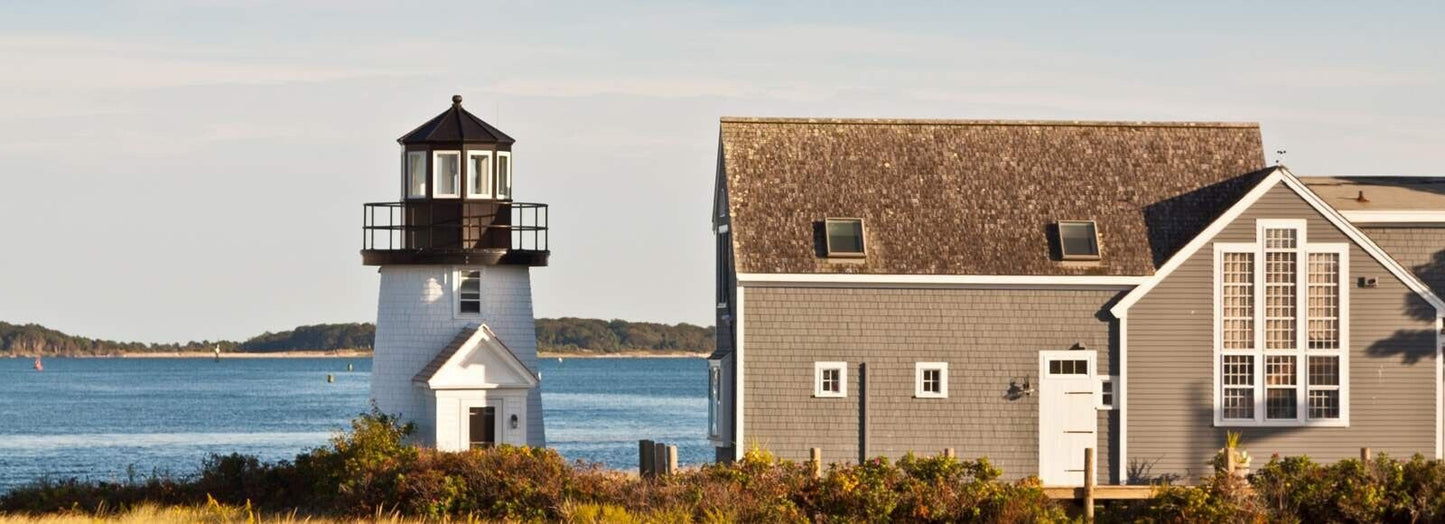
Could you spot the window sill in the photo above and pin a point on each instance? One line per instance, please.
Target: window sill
(815, 395)
(847, 255)
(1340, 423)
(930, 397)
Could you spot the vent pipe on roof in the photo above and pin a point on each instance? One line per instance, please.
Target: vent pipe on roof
(1361, 197)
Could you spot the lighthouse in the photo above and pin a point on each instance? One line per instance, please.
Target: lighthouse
(456, 349)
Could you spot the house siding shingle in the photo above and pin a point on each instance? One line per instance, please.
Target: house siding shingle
(1421, 249)
(1170, 382)
(988, 337)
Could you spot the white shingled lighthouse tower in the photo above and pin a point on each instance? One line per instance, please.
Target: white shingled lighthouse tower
(456, 349)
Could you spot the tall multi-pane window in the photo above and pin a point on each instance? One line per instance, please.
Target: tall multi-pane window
(1279, 289)
(504, 175)
(1291, 369)
(1237, 376)
(714, 405)
(479, 174)
(1238, 298)
(1324, 301)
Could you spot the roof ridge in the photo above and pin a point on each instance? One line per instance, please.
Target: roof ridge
(981, 122)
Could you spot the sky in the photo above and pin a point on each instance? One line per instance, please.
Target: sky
(185, 170)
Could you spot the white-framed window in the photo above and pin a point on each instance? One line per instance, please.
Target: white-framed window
(446, 174)
(504, 175)
(930, 379)
(714, 393)
(479, 174)
(469, 292)
(1078, 240)
(415, 174)
(1281, 329)
(844, 237)
(1106, 391)
(830, 379)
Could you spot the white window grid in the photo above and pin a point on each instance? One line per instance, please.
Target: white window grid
(1324, 301)
(1324, 387)
(930, 380)
(830, 379)
(1238, 300)
(1106, 392)
(1303, 316)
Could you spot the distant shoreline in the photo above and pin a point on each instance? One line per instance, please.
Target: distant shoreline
(352, 354)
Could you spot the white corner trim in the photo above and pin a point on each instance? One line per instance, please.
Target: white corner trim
(1396, 216)
(841, 368)
(1275, 177)
(1121, 400)
(738, 368)
(1439, 385)
(919, 368)
(1003, 281)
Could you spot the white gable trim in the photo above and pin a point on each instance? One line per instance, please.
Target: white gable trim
(1399, 216)
(1277, 176)
(484, 339)
(957, 281)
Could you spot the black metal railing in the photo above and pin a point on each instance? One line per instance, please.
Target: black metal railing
(423, 225)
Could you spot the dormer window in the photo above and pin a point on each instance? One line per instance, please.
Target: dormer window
(447, 169)
(1078, 240)
(504, 175)
(416, 174)
(479, 174)
(845, 237)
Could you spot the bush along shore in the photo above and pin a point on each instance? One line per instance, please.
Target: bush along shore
(369, 473)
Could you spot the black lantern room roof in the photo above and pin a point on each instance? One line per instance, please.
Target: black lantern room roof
(456, 125)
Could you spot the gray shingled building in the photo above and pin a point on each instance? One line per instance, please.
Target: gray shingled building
(1025, 290)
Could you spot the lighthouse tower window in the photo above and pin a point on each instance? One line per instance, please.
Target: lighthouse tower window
(479, 174)
(448, 174)
(504, 175)
(469, 292)
(415, 174)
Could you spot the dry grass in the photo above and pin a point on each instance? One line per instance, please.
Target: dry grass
(212, 512)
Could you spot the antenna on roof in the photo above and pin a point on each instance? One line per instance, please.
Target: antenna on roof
(1279, 159)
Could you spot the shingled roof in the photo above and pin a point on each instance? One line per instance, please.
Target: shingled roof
(977, 197)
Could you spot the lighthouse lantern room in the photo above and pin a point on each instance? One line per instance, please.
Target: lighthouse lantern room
(456, 348)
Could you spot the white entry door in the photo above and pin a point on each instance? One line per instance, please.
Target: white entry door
(1069, 392)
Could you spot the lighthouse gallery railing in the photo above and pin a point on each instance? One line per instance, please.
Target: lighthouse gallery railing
(402, 226)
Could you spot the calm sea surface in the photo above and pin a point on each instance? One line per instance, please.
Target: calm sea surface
(97, 418)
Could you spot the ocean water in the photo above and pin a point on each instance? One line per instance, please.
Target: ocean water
(107, 418)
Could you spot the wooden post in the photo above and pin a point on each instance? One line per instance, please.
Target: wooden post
(815, 460)
(1365, 455)
(644, 458)
(659, 459)
(1229, 459)
(672, 460)
(1088, 484)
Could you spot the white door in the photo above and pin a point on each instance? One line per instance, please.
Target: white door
(1069, 392)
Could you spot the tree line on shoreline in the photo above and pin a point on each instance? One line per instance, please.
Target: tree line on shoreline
(557, 335)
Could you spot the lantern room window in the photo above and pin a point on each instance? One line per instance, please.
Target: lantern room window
(504, 175)
(448, 174)
(416, 174)
(479, 174)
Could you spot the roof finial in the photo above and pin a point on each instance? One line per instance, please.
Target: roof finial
(457, 100)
